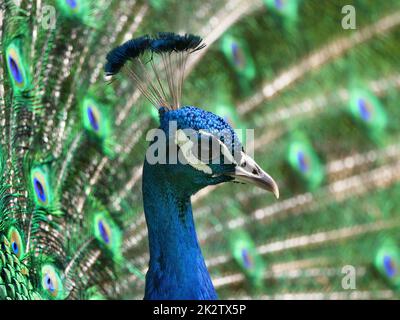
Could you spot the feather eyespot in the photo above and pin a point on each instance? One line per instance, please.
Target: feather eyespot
(16, 67)
(238, 56)
(97, 120)
(40, 186)
(72, 3)
(15, 239)
(39, 189)
(389, 266)
(279, 4)
(94, 118)
(247, 259)
(104, 230)
(387, 261)
(303, 161)
(366, 109)
(107, 233)
(73, 8)
(51, 282)
(93, 115)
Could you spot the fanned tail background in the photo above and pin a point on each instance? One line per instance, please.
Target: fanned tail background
(322, 98)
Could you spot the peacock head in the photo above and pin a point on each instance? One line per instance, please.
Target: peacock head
(193, 146)
(198, 148)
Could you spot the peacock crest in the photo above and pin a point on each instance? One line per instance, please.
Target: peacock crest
(156, 65)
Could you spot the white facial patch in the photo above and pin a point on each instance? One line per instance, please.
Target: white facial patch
(186, 147)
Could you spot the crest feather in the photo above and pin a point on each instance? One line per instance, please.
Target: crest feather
(156, 64)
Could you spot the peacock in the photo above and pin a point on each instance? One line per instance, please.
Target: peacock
(90, 101)
(177, 269)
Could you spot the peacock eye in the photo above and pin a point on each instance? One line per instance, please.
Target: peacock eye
(303, 161)
(107, 233)
(365, 109)
(51, 282)
(389, 266)
(93, 116)
(72, 3)
(279, 4)
(15, 239)
(15, 69)
(39, 189)
(246, 258)
(238, 55)
(40, 186)
(15, 66)
(104, 231)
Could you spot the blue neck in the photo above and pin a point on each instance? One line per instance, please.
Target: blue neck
(177, 269)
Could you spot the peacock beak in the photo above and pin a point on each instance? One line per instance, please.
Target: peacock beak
(250, 172)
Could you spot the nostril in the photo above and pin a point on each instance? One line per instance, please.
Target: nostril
(255, 171)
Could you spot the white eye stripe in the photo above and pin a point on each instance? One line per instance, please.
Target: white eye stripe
(186, 145)
(186, 149)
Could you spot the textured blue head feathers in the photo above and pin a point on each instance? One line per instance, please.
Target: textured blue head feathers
(190, 117)
(212, 137)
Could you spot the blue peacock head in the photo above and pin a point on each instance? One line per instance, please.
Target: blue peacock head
(202, 149)
(191, 145)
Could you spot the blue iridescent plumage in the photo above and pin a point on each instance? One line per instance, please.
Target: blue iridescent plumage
(177, 269)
